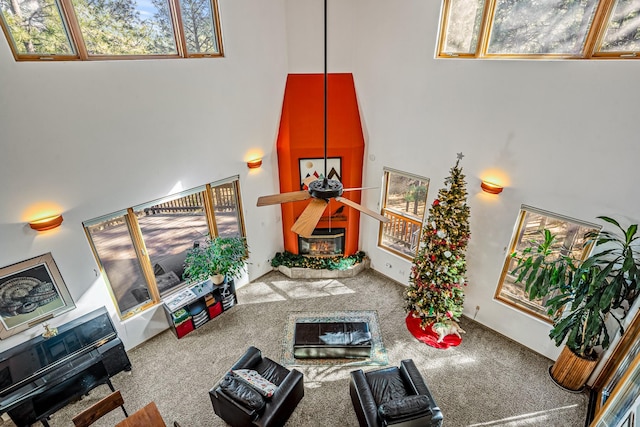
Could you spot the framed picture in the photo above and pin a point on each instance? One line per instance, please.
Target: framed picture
(315, 167)
(31, 292)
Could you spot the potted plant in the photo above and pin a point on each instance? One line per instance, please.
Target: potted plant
(220, 258)
(583, 297)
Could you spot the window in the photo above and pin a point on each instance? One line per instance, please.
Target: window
(404, 203)
(169, 228)
(141, 250)
(112, 241)
(110, 29)
(531, 29)
(623, 30)
(529, 232)
(463, 26)
(228, 219)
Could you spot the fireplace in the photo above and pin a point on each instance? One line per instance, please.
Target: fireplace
(323, 242)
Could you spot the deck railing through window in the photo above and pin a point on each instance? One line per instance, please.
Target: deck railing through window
(402, 230)
(224, 200)
(224, 197)
(186, 204)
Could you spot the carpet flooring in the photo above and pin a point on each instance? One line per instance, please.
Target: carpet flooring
(487, 380)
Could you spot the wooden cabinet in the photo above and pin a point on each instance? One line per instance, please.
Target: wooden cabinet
(191, 307)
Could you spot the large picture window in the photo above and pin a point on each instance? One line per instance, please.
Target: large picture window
(141, 250)
(169, 228)
(111, 29)
(404, 203)
(529, 232)
(531, 29)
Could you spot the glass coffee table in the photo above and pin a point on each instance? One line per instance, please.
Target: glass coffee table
(322, 340)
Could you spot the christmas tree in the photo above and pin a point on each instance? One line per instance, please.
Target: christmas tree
(435, 294)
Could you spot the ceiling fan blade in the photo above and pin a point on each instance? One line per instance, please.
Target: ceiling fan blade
(362, 209)
(308, 180)
(292, 196)
(360, 188)
(309, 218)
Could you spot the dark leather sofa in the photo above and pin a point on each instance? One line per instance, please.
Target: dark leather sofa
(395, 396)
(238, 405)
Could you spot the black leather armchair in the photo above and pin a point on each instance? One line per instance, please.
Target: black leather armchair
(238, 405)
(393, 396)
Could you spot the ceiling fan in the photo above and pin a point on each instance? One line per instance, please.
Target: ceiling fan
(321, 190)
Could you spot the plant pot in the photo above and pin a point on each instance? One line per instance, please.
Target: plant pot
(571, 371)
(217, 279)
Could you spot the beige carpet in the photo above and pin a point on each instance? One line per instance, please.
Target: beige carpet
(486, 381)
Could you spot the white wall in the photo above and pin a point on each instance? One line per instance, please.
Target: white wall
(95, 137)
(305, 29)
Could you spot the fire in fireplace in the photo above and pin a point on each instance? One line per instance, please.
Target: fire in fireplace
(323, 242)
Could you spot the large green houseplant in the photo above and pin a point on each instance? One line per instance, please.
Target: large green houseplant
(583, 295)
(220, 258)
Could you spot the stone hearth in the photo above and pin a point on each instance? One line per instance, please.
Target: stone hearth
(312, 273)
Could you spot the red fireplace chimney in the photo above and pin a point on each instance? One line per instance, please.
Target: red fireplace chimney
(301, 149)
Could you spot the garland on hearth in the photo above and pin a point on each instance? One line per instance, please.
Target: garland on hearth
(289, 259)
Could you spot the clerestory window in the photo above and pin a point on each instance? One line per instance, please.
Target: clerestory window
(111, 29)
(572, 29)
(141, 250)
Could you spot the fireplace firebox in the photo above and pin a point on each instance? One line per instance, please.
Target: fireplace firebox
(323, 242)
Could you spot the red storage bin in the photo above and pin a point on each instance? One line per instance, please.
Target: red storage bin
(184, 328)
(215, 309)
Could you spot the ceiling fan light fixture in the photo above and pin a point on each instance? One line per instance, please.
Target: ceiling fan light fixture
(325, 188)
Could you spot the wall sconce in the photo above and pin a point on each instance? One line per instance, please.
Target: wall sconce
(254, 163)
(491, 188)
(48, 223)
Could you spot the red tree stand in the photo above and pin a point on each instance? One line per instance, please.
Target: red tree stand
(428, 336)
